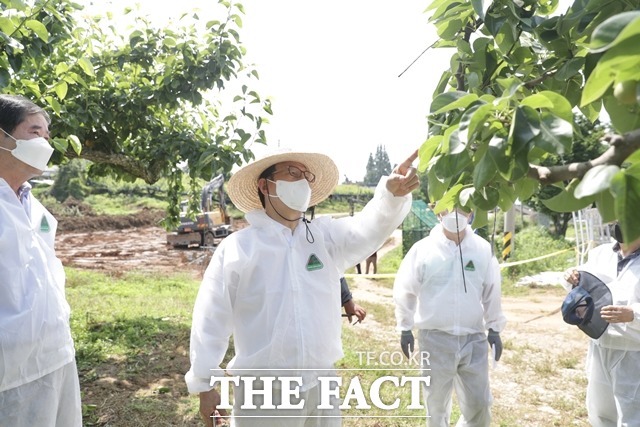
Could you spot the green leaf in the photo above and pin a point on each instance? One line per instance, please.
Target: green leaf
(633, 170)
(449, 28)
(525, 188)
(169, 42)
(614, 62)
(452, 100)
(494, 22)
(473, 118)
(87, 66)
(61, 68)
(570, 68)
(449, 199)
(446, 142)
(38, 28)
(498, 151)
(626, 191)
(623, 118)
(561, 106)
(606, 34)
(437, 186)
(481, 7)
(555, 135)
(524, 128)
(435, 4)
(427, 151)
(75, 144)
(487, 198)
(54, 104)
(480, 218)
(7, 26)
(456, 146)
(520, 133)
(452, 164)
(592, 111)
(60, 144)
(485, 169)
(597, 179)
(537, 101)
(61, 89)
(606, 206)
(633, 158)
(565, 201)
(5, 78)
(465, 195)
(507, 197)
(506, 38)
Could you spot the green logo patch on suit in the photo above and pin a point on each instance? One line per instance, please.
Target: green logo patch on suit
(470, 266)
(314, 263)
(44, 224)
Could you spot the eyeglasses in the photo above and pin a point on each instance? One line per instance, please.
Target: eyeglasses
(297, 173)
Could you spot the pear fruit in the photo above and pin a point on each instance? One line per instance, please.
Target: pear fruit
(626, 92)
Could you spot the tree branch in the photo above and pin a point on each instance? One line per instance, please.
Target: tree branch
(468, 31)
(150, 172)
(533, 83)
(621, 147)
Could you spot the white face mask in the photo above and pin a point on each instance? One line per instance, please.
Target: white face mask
(35, 152)
(295, 195)
(449, 222)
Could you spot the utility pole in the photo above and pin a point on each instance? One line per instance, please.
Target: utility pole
(509, 233)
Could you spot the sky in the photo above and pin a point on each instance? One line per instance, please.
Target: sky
(331, 69)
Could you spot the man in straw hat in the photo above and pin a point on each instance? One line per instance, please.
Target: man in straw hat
(613, 389)
(274, 286)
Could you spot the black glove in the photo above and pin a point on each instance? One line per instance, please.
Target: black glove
(494, 340)
(407, 343)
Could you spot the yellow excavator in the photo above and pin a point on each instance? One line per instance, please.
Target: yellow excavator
(210, 226)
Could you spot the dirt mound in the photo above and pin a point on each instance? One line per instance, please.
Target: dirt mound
(144, 218)
(76, 216)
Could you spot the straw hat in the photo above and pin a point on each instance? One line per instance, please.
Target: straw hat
(243, 185)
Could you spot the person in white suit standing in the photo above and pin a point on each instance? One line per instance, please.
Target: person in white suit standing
(448, 287)
(38, 376)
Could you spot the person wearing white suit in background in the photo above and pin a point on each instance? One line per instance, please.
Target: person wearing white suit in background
(448, 287)
(613, 391)
(38, 376)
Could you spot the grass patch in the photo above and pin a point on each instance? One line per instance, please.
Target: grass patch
(568, 362)
(532, 242)
(131, 336)
(121, 204)
(545, 368)
(390, 262)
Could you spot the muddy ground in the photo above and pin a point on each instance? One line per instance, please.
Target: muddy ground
(539, 382)
(118, 243)
(135, 248)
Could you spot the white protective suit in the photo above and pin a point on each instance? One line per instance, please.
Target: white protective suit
(279, 295)
(613, 393)
(430, 295)
(38, 377)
